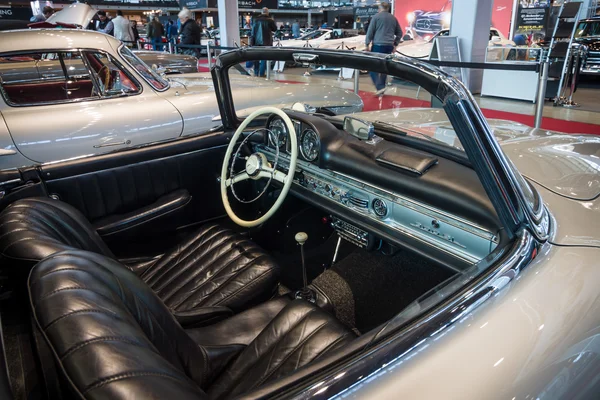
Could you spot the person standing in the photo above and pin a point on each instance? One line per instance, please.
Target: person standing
(122, 28)
(383, 36)
(336, 23)
(134, 30)
(171, 31)
(262, 35)
(296, 29)
(155, 33)
(104, 24)
(190, 31)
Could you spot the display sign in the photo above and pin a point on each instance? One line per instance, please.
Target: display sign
(365, 13)
(425, 18)
(532, 20)
(193, 4)
(445, 48)
(16, 13)
(257, 4)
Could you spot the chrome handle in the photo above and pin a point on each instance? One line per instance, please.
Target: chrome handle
(124, 142)
(5, 152)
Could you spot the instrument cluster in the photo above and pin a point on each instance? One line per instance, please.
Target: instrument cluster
(309, 142)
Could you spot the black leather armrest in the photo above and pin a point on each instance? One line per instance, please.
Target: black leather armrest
(161, 207)
(202, 316)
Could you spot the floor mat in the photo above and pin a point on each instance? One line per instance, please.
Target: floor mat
(380, 285)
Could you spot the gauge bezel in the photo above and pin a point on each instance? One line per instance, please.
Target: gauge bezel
(387, 209)
(301, 146)
(286, 135)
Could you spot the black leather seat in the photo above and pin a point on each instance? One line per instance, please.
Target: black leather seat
(112, 337)
(212, 272)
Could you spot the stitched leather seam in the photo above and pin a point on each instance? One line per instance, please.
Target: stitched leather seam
(114, 378)
(81, 345)
(237, 379)
(244, 287)
(84, 311)
(207, 280)
(175, 260)
(296, 348)
(61, 289)
(201, 255)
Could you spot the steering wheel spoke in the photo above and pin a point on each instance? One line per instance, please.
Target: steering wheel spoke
(242, 176)
(276, 174)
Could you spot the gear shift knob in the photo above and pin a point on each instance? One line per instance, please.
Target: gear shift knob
(301, 238)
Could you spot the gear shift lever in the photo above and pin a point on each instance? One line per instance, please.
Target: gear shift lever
(305, 293)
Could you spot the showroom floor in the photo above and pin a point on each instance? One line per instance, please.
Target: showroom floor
(583, 119)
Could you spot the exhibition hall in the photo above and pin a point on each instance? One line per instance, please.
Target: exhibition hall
(299, 199)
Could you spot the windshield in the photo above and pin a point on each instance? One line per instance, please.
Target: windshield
(146, 72)
(588, 28)
(313, 35)
(394, 105)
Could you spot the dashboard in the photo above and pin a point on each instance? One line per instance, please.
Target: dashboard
(361, 210)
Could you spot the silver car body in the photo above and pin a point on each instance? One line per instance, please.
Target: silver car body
(51, 132)
(325, 41)
(168, 63)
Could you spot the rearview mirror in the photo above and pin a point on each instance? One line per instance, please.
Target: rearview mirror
(358, 128)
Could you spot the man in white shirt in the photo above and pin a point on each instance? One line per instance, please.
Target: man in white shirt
(123, 30)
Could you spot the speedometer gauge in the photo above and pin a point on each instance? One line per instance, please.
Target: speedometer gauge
(309, 145)
(277, 132)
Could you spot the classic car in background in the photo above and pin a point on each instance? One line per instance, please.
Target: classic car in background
(422, 48)
(396, 253)
(168, 63)
(588, 34)
(327, 39)
(113, 99)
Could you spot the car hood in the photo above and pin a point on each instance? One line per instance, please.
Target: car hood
(76, 14)
(565, 164)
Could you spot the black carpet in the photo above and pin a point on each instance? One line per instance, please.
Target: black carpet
(380, 285)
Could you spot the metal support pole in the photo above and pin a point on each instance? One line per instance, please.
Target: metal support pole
(170, 47)
(356, 77)
(268, 69)
(541, 94)
(139, 45)
(208, 55)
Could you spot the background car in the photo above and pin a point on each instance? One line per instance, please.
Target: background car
(111, 99)
(588, 34)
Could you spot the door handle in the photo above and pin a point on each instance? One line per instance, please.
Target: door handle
(123, 143)
(4, 152)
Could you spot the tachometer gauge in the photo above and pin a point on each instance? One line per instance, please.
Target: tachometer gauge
(309, 145)
(277, 132)
(379, 207)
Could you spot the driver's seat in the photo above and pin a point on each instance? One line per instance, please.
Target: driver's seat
(213, 273)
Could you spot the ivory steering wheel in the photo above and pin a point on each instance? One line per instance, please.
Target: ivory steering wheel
(257, 167)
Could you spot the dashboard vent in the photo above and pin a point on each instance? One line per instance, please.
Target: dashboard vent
(358, 202)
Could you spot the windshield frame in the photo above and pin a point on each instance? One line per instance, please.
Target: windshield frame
(152, 72)
(585, 28)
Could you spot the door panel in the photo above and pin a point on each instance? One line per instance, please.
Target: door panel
(176, 181)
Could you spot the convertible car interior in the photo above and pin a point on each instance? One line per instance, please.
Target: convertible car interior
(227, 264)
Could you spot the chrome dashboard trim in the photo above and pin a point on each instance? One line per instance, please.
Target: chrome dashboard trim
(469, 250)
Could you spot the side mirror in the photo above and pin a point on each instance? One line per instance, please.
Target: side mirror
(358, 128)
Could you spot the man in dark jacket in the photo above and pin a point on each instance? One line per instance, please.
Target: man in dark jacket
(262, 35)
(190, 31)
(384, 34)
(155, 33)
